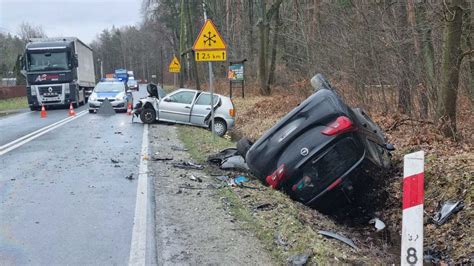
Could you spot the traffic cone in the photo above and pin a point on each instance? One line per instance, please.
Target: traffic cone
(71, 110)
(129, 109)
(43, 111)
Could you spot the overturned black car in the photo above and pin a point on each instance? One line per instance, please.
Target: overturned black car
(320, 145)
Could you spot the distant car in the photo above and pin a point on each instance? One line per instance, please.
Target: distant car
(115, 91)
(186, 106)
(319, 146)
(132, 84)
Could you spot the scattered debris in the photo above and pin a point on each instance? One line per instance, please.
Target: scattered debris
(117, 166)
(338, 237)
(379, 225)
(279, 240)
(240, 179)
(130, 177)
(228, 159)
(263, 207)
(118, 133)
(236, 162)
(177, 148)
(223, 178)
(188, 165)
(299, 259)
(219, 157)
(213, 186)
(91, 186)
(115, 161)
(161, 158)
(449, 208)
(12, 179)
(195, 178)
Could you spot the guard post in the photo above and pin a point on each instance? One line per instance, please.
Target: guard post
(236, 75)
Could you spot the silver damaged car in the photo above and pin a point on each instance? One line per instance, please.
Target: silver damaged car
(186, 106)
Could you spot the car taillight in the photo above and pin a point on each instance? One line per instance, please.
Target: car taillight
(341, 125)
(276, 177)
(232, 112)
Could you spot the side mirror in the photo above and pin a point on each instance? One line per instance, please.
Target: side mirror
(22, 62)
(167, 99)
(75, 60)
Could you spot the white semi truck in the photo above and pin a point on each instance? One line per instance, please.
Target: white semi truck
(59, 71)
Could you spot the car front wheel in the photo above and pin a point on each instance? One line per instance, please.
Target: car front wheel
(220, 127)
(148, 115)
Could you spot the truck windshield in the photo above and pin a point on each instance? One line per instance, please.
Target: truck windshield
(110, 87)
(48, 61)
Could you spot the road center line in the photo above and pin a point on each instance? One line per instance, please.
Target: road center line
(33, 135)
(139, 233)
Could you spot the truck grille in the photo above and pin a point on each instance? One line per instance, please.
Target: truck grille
(55, 91)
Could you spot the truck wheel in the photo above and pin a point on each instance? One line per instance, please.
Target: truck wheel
(148, 115)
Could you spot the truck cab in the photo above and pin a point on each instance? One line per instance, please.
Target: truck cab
(58, 72)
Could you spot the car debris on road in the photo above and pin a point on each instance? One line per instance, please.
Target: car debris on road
(338, 237)
(449, 208)
(188, 165)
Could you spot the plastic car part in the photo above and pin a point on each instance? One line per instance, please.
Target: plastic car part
(275, 179)
(449, 208)
(338, 237)
(342, 125)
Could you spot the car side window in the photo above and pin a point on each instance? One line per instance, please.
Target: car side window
(185, 97)
(205, 99)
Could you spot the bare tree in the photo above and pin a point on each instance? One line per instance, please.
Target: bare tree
(27, 31)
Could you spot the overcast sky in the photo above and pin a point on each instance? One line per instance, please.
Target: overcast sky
(76, 18)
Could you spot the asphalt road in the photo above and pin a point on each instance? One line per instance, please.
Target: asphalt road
(63, 200)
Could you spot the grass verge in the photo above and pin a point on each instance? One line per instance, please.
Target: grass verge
(13, 103)
(283, 227)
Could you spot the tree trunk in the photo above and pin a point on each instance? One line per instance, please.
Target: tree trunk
(404, 95)
(427, 54)
(446, 108)
(262, 60)
(271, 74)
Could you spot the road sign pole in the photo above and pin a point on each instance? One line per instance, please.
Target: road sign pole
(174, 80)
(412, 220)
(210, 84)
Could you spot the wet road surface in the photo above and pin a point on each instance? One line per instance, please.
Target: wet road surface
(62, 199)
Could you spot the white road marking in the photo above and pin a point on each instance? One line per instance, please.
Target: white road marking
(139, 233)
(33, 135)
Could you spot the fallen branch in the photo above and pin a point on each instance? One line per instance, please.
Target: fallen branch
(400, 122)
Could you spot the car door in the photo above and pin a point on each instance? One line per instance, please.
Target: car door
(202, 108)
(176, 107)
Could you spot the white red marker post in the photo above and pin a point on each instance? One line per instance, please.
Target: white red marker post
(413, 195)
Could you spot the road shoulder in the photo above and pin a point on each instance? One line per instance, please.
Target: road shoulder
(192, 224)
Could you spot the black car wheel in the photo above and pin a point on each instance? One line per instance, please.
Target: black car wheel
(243, 146)
(148, 115)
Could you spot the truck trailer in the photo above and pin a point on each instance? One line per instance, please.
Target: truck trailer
(59, 71)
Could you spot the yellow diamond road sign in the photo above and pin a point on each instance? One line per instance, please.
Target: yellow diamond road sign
(175, 66)
(209, 38)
